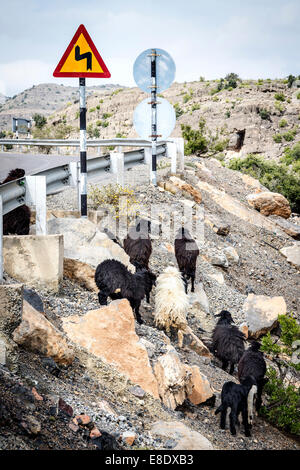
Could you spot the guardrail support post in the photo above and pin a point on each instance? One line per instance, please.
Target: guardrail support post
(75, 179)
(1, 239)
(117, 166)
(36, 193)
(180, 152)
(148, 160)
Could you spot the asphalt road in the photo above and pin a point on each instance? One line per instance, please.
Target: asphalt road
(32, 163)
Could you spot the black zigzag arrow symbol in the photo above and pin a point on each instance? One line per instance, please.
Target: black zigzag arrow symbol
(87, 56)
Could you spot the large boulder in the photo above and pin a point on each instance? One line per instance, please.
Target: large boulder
(268, 203)
(293, 230)
(292, 253)
(262, 313)
(38, 335)
(84, 248)
(173, 379)
(184, 437)
(201, 389)
(109, 333)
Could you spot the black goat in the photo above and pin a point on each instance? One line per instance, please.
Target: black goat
(17, 221)
(115, 281)
(137, 243)
(253, 363)
(235, 397)
(186, 253)
(150, 279)
(227, 341)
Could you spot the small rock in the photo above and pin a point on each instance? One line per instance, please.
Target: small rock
(82, 420)
(137, 391)
(36, 395)
(31, 425)
(95, 433)
(128, 437)
(63, 406)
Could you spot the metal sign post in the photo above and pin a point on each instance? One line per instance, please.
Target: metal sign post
(154, 69)
(83, 173)
(1, 239)
(81, 59)
(153, 115)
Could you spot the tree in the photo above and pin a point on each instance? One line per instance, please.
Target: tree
(39, 120)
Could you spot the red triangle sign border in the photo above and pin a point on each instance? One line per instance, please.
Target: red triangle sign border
(81, 30)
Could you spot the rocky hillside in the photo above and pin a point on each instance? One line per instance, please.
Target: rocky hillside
(45, 99)
(73, 372)
(246, 117)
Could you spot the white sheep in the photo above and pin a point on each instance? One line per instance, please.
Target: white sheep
(171, 300)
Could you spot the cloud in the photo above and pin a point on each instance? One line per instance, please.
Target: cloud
(21, 74)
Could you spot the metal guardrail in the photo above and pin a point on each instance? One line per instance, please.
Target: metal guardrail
(58, 178)
(76, 143)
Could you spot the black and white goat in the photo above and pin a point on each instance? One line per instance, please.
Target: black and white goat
(186, 253)
(253, 363)
(235, 397)
(115, 281)
(227, 341)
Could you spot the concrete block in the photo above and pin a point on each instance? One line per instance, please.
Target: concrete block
(35, 260)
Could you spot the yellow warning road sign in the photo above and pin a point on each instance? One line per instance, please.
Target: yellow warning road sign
(81, 58)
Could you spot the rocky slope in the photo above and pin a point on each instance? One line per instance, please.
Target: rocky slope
(46, 99)
(247, 116)
(240, 261)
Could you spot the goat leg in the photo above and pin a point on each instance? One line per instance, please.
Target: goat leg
(232, 418)
(102, 297)
(245, 421)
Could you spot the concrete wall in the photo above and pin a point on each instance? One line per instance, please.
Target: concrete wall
(35, 260)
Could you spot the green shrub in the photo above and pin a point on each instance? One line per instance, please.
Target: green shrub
(39, 120)
(277, 138)
(280, 107)
(264, 114)
(227, 114)
(279, 97)
(196, 142)
(291, 79)
(269, 346)
(186, 97)
(276, 177)
(289, 136)
(282, 407)
(290, 329)
(231, 80)
(92, 110)
(283, 123)
(291, 155)
(178, 111)
(195, 107)
(106, 115)
(298, 96)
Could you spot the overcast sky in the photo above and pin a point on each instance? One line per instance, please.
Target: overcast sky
(210, 38)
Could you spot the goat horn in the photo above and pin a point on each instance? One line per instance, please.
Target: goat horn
(117, 290)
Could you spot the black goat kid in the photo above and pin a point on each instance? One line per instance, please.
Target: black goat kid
(227, 341)
(186, 253)
(115, 281)
(235, 397)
